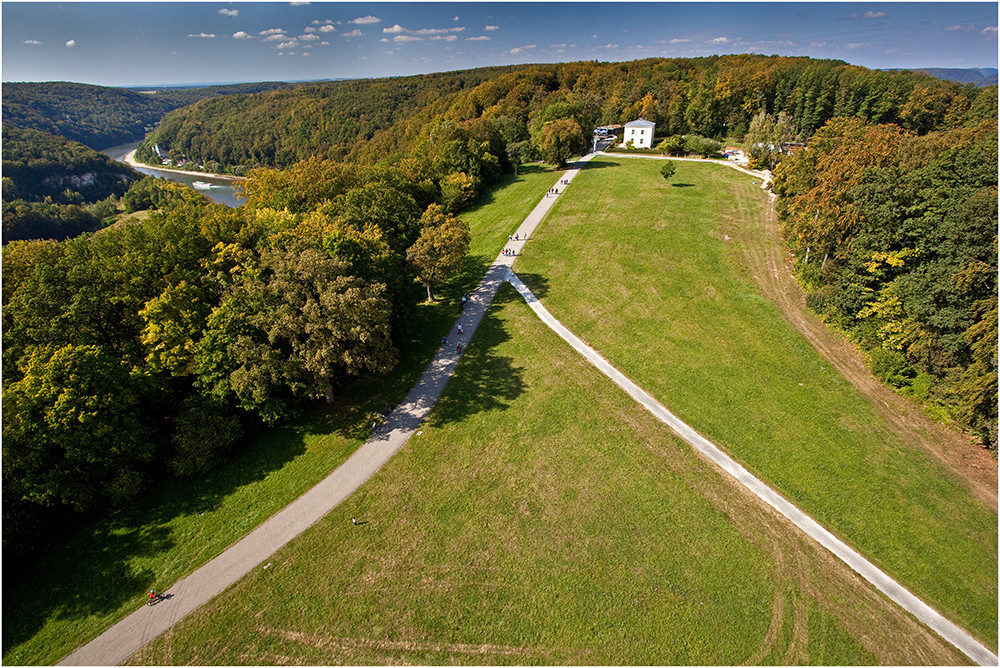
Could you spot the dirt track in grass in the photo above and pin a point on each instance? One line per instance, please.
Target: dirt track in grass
(770, 268)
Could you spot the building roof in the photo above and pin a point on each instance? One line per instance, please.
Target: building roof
(640, 123)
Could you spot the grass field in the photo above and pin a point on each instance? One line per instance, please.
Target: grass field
(647, 274)
(541, 516)
(68, 598)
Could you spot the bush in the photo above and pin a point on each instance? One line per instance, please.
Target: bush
(891, 367)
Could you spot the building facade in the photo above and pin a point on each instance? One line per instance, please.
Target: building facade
(640, 133)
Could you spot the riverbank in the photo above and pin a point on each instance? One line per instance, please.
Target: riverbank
(129, 159)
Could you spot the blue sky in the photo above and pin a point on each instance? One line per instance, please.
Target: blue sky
(148, 43)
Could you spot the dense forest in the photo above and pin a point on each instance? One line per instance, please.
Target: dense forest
(895, 237)
(155, 343)
(54, 188)
(715, 97)
(99, 116)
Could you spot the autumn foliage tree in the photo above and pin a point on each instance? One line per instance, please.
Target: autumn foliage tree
(440, 250)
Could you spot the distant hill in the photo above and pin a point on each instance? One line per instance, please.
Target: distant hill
(978, 76)
(717, 96)
(99, 116)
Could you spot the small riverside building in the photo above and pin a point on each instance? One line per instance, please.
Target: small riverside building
(640, 133)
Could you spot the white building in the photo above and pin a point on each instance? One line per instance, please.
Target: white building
(640, 133)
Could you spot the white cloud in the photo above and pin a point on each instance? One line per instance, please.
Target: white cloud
(366, 19)
(203, 35)
(718, 40)
(875, 15)
(310, 29)
(521, 49)
(272, 31)
(242, 35)
(406, 38)
(990, 30)
(32, 41)
(276, 37)
(353, 33)
(395, 29)
(308, 37)
(491, 28)
(481, 38)
(856, 45)
(447, 38)
(326, 28)
(817, 45)
(384, 39)
(71, 43)
(436, 31)
(229, 12)
(290, 44)
(958, 28)
(679, 40)
(454, 18)
(557, 46)
(609, 46)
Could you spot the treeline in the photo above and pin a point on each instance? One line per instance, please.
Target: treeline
(154, 345)
(895, 237)
(99, 116)
(54, 188)
(715, 97)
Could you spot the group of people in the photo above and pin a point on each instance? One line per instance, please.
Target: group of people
(509, 252)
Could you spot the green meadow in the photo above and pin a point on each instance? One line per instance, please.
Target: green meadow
(540, 516)
(648, 274)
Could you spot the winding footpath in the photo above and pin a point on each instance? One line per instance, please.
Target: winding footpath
(132, 633)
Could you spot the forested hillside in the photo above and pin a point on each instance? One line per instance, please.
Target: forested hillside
(99, 116)
(715, 97)
(149, 347)
(54, 188)
(895, 237)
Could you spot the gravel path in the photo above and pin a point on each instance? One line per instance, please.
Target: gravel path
(134, 632)
(896, 592)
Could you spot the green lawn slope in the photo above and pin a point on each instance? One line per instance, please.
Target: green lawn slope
(540, 516)
(646, 273)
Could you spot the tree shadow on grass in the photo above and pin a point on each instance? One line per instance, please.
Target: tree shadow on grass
(96, 572)
(538, 284)
(485, 380)
(682, 185)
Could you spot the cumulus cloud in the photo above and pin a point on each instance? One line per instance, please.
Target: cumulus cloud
(718, 40)
(856, 45)
(308, 37)
(875, 15)
(990, 30)
(480, 38)
(326, 28)
(32, 41)
(366, 19)
(353, 33)
(557, 46)
(201, 35)
(71, 43)
(491, 28)
(277, 37)
(521, 49)
(290, 44)
(394, 29)
(272, 31)
(436, 31)
(447, 38)
(406, 38)
(242, 35)
(679, 40)
(817, 45)
(229, 12)
(958, 28)
(454, 18)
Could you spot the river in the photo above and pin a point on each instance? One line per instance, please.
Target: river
(221, 191)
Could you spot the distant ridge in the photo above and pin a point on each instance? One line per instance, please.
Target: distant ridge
(978, 76)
